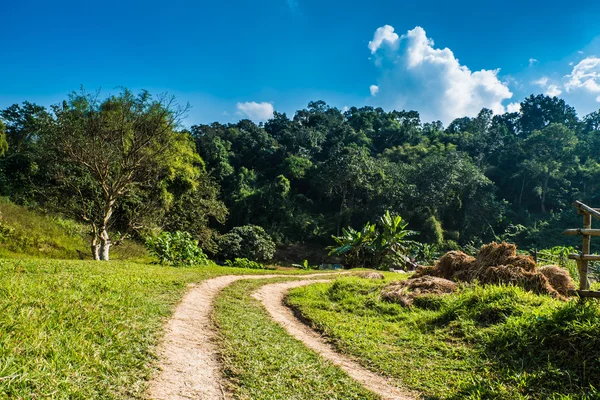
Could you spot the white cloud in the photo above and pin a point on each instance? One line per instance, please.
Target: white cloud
(513, 107)
(585, 75)
(374, 89)
(542, 82)
(550, 89)
(418, 76)
(533, 61)
(598, 99)
(383, 34)
(255, 111)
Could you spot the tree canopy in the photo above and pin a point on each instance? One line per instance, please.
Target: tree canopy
(125, 165)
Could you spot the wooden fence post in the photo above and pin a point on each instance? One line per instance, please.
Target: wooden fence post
(585, 249)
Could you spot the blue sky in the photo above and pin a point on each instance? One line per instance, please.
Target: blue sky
(231, 59)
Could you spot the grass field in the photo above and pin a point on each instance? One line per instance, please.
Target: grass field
(481, 343)
(84, 329)
(263, 362)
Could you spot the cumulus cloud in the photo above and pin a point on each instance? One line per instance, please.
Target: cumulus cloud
(383, 34)
(513, 107)
(533, 61)
(416, 75)
(255, 111)
(374, 89)
(550, 89)
(585, 75)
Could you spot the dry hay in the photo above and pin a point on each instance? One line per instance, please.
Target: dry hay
(526, 263)
(404, 292)
(497, 263)
(370, 275)
(559, 278)
(495, 254)
(508, 275)
(449, 265)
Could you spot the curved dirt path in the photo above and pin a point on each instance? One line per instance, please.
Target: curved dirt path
(188, 355)
(272, 297)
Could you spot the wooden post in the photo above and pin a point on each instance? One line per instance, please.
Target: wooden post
(585, 249)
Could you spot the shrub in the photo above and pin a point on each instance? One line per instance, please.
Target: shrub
(177, 249)
(248, 241)
(432, 231)
(244, 263)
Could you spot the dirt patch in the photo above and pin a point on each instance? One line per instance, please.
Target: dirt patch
(272, 297)
(188, 354)
(404, 292)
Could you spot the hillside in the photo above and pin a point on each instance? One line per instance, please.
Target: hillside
(28, 233)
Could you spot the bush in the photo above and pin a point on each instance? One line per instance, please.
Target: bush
(432, 231)
(177, 249)
(244, 263)
(248, 241)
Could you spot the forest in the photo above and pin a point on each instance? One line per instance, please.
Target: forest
(126, 166)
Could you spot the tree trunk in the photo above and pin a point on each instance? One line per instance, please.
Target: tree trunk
(95, 247)
(544, 191)
(104, 245)
(521, 194)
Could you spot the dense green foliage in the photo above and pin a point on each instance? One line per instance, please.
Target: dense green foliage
(248, 241)
(480, 343)
(244, 263)
(176, 249)
(263, 362)
(304, 177)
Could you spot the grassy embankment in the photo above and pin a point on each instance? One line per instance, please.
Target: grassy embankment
(85, 329)
(263, 362)
(480, 343)
(25, 234)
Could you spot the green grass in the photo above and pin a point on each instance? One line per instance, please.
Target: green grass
(25, 233)
(263, 362)
(85, 329)
(480, 343)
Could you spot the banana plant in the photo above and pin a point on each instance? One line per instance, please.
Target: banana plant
(371, 247)
(353, 245)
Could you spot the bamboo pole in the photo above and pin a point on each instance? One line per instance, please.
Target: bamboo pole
(585, 249)
(584, 257)
(586, 210)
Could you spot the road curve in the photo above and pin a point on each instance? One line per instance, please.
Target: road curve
(272, 297)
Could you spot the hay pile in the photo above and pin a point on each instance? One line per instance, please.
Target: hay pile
(369, 275)
(498, 263)
(404, 292)
(559, 278)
